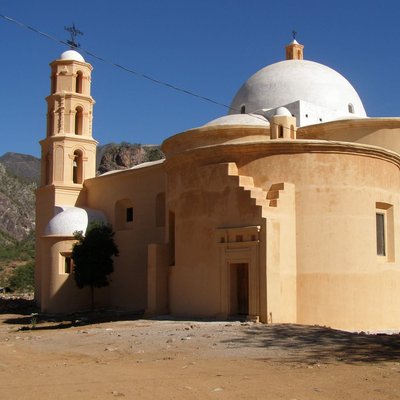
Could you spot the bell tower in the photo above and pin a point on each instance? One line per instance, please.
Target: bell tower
(69, 150)
(68, 159)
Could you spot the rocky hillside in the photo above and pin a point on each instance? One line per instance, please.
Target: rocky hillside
(17, 207)
(114, 156)
(22, 165)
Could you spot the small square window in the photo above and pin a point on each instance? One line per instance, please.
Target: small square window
(129, 214)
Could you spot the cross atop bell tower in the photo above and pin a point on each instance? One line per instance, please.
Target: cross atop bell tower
(74, 32)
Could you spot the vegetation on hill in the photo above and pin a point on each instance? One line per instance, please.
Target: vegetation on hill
(17, 265)
(17, 222)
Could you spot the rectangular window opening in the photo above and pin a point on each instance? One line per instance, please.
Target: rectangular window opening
(67, 263)
(380, 234)
(129, 214)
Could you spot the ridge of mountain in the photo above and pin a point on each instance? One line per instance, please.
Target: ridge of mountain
(23, 166)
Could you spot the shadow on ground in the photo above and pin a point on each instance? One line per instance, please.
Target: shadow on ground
(17, 305)
(27, 316)
(314, 344)
(284, 342)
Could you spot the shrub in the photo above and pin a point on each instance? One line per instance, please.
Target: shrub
(22, 279)
(92, 255)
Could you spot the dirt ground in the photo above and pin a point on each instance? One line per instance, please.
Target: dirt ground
(97, 358)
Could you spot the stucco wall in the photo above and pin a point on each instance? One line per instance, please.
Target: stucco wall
(341, 281)
(139, 189)
(203, 199)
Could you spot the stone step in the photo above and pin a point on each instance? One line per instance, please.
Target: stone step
(256, 192)
(277, 186)
(261, 202)
(273, 194)
(246, 181)
(258, 196)
(273, 203)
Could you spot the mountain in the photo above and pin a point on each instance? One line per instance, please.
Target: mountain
(124, 155)
(17, 207)
(22, 165)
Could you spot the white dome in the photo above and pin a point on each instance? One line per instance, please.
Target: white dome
(283, 111)
(240, 119)
(71, 55)
(71, 219)
(292, 80)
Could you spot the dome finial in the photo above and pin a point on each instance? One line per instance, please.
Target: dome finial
(294, 51)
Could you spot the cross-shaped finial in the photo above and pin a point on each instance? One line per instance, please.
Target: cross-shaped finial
(294, 34)
(74, 32)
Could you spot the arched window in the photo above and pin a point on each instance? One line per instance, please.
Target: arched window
(351, 108)
(77, 167)
(243, 109)
(79, 82)
(280, 131)
(78, 121)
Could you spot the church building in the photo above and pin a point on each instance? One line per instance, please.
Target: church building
(286, 210)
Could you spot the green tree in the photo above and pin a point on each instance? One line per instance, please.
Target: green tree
(93, 257)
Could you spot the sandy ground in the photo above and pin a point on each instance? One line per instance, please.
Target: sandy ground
(167, 359)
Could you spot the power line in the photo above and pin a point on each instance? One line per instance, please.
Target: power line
(130, 70)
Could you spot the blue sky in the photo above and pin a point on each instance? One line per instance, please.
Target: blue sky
(209, 47)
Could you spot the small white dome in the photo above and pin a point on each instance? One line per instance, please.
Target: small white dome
(71, 219)
(71, 55)
(283, 111)
(240, 119)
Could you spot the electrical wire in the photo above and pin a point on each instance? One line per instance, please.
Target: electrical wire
(132, 71)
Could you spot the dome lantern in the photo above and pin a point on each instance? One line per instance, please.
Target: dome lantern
(294, 51)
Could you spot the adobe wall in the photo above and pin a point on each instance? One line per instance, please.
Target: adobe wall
(341, 281)
(337, 277)
(113, 193)
(60, 292)
(205, 201)
(382, 132)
